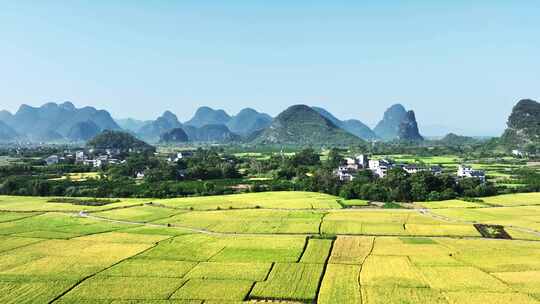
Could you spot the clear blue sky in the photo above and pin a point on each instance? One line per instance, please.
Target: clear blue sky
(458, 63)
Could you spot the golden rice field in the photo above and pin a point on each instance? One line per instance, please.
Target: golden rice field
(286, 247)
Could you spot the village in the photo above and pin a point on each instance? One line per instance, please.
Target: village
(380, 167)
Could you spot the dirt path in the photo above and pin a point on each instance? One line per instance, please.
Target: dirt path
(427, 212)
(208, 232)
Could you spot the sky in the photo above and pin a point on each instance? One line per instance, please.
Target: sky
(460, 65)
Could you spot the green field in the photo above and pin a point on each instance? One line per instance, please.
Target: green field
(276, 246)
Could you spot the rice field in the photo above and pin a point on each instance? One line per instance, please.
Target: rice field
(167, 252)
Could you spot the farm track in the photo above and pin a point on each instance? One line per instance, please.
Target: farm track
(427, 212)
(208, 232)
(325, 211)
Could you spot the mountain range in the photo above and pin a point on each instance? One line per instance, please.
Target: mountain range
(299, 124)
(54, 122)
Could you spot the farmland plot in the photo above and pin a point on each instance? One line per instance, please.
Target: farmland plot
(145, 213)
(261, 249)
(8, 243)
(351, 250)
(31, 292)
(276, 200)
(42, 204)
(497, 256)
(297, 282)
(230, 271)
(195, 248)
(395, 294)
(249, 221)
(64, 260)
(390, 271)
(226, 290)
(455, 278)
(407, 246)
(124, 288)
(517, 199)
(150, 268)
(451, 204)
(53, 225)
(489, 297)
(317, 251)
(340, 284)
(524, 281)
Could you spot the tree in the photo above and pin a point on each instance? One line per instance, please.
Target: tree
(334, 158)
(306, 157)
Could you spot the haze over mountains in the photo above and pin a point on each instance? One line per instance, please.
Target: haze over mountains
(296, 125)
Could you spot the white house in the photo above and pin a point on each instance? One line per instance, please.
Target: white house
(180, 155)
(412, 169)
(362, 160)
(380, 167)
(466, 171)
(79, 156)
(52, 160)
(518, 153)
(345, 174)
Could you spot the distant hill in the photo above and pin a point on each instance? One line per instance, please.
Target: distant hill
(352, 126)
(208, 116)
(83, 131)
(7, 134)
(398, 124)
(248, 121)
(388, 127)
(523, 126)
(301, 125)
(452, 139)
(6, 117)
(54, 121)
(408, 128)
(118, 140)
(176, 135)
(131, 124)
(218, 133)
(153, 130)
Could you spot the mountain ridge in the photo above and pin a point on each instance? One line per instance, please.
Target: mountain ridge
(353, 126)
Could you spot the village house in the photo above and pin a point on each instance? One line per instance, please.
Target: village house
(412, 169)
(80, 157)
(518, 153)
(52, 160)
(180, 155)
(362, 160)
(380, 167)
(436, 170)
(469, 172)
(345, 174)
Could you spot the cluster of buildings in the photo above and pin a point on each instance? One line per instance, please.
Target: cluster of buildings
(94, 158)
(466, 172)
(380, 168)
(179, 155)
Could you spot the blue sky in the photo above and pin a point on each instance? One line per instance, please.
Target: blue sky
(460, 64)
